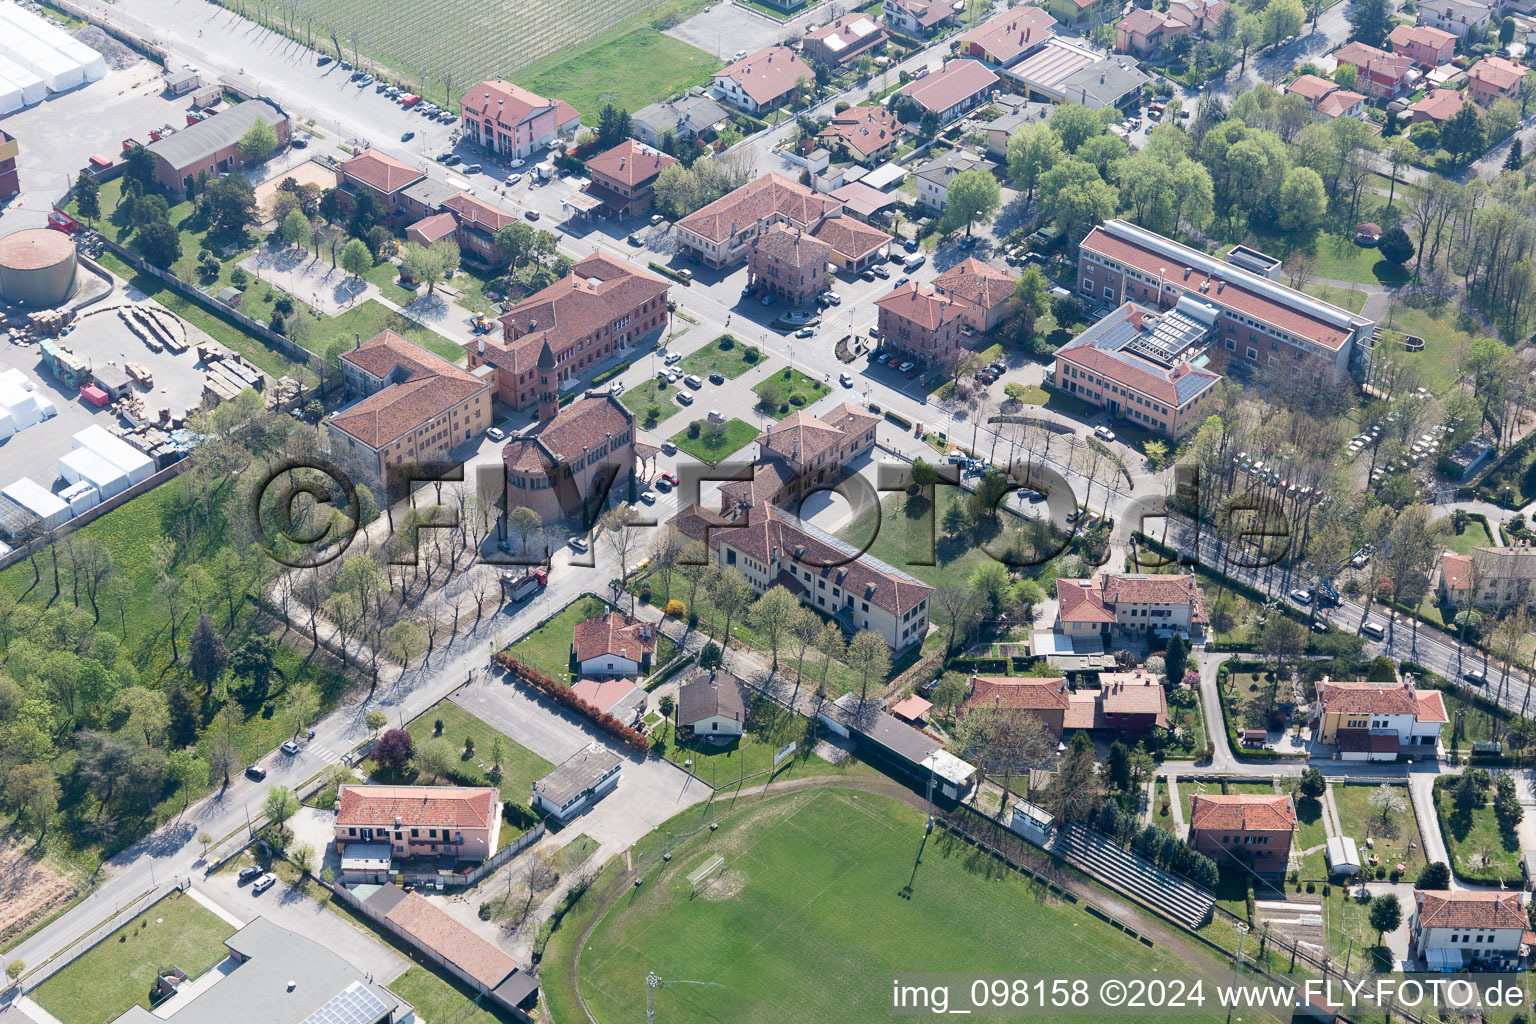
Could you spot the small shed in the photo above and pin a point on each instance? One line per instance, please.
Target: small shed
(912, 709)
(365, 863)
(1343, 856)
(1032, 822)
(230, 295)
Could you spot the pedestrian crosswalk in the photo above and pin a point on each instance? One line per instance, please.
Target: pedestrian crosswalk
(323, 752)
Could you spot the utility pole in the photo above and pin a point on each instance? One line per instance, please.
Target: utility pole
(1242, 932)
(933, 757)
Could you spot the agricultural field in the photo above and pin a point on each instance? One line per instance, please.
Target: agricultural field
(442, 48)
(811, 917)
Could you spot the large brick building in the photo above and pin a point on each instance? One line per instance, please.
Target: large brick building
(788, 263)
(920, 323)
(624, 178)
(420, 821)
(379, 176)
(512, 122)
(800, 454)
(1252, 829)
(212, 144)
(1125, 704)
(1261, 323)
(604, 306)
(414, 407)
(1133, 603)
(721, 233)
(983, 291)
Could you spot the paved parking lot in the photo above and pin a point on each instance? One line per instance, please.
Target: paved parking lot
(723, 29)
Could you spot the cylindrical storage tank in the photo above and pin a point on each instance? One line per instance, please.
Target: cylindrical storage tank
(37, 267)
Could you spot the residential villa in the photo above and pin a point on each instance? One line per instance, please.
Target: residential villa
(770, 548)
(624, 178)
(1379, 721)
(960, 86)
(461, 823)
(1261, 322)
(1437, 105)
(1490, 577)
(413, 406)
(1495, 78)
(1202, 16)
(764, 80)
(933, 177)
(720, 234)
(512, 122)
(686, 118)
(985, 293)
(380, 177)
(1458, 17)
(1460, 930)
(843, 40)
(1326, 98)
(922, 18)
(613, 644)
(1125, 704)
(1144, 32)
(788, 263)
(1379, 73)
(604, 306)
(919, 322)
(867, 135)
(1250, 829)
(713, 706)
(1129, 603)
(1010, 36)
(1048, 699)
(1426, 46)
(1146, 366)
(799, 455)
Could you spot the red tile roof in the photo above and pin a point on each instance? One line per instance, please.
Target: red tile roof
(433, 928)
(478, 213)
(434, 228)
(585, 423)
(630, 162)
(1339, 102)
(1133, 693)
(1080, 601)
(1018, 693)
(431, 387)
(1242, 812)
(1497, 73)
(791, 247)
(920, 305)
(911, 708)
(418, 806)
(768, 74)
(384, 173)
(1363, 741)
(850, 238)
(1439, 105)
(1144, 21)
(1456, 571)
(864, 130)
(603, 694)
(616, 634)
(1311, 87)
(1158, 382)
(1463, 908)
(1094, 600)
(1007, 35)
(1431, 706)
(511, 104)
(1392, 66)
(980, 284)
(1424, 35)
(757, 201)
(959, 80)
(1361, 698)
(1238, 290)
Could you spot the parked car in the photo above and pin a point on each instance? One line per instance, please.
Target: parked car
(578, 543)
(453, 160)
(832, 298)
(496, 434)
(532, 214)
(668, 448)
(322, 61)
(263, 883)
(905, 367)
(768, 298)
(517, 162)
(910, 245)
(663, 486)
(256, 772)
(471, 168)
(694, 381)
(299, 142)
(717, 377)
(513, 178)
(635, 241)
(670, 478)
(684, 398)
(649, 497)
(1475, 677)
(249, 872)
(1103, 433)
(806, 332)
(846, 380)
(407, 136)
(1374, 630)
(1301, 597)
(881, 271)
(868, 275)
(672, 357)
(290, 748)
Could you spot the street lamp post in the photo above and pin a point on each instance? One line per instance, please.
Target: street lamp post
(1242, 932)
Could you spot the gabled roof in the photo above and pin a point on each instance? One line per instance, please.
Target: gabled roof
(1495, 563)
(1080, 601)
(768, 196)
(1311, 87)
(1362, 698)
(1013, 32)
(1456, 570)
(1242, 812)
(435, 227)
(1017, 693)
(585, 423)
(1431, 706)
(791, 247)
(477, 213)
(1378, 62)
(978, 283)
(717, 694)
(864, 130)
(418, 806)
(1440, 104)
(929, 13)
(768, 74)
(850, 238)
(417, 917)
(604, 694)
(957, 81)
(1133, 693)
(512, 104)
(1464, 908)
(1422, 35)
(1339, 102)
(614, 634)
(428, 386)
(695, 113)
(847, 33)
(1145, 21)
(630, 163)
(920, 305)
(1497, 73)
(197, 142)
(380, 171)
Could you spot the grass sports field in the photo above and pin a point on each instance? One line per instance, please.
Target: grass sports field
(814, 914)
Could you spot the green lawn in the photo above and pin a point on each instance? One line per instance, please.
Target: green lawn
(631, 66)
(1479, 849)
(770, 728)
(903, 534)
(713, 447)
(387, 276)
(1445, 342)
(1347, 925)
(1477, 725)
(369, 318)
(1337, 257)
(435, 999)
(1310, 832)
(1396, 840)
(1189, 726)
(577, 852)
(1162, 818)
(826, 894)
(548, 648)
(1473, 535)
(117, 973)
(651, 402)
(789, 385)
(725, 355)
(520, 767)
(1352, 299)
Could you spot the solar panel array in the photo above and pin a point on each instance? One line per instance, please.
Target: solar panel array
(355, 1004)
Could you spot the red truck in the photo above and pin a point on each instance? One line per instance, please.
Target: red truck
(409, 100)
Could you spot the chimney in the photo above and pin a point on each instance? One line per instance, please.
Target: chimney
(482, 344)
(357, 340)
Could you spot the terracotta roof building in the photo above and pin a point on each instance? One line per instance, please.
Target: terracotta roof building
(1456, 584)
(473, 959)
(377, 175)
(1342, 103)
(921, 17)
(720, 233)
(1045, 698)
(1311, 88)
(624, 178)
(612, 696)
(799, 454)
(960, 86)
(764, 80)
(983, 291)
(1495, 78)
(1009, 37)
(713, 705)
(1144, 32)
(920, 323)
(1204, 16)
(420, 821)
(1425, 46)
(1261, 322)
(1503, 577)
(788, 263)
(1379, 73)
(414, 406)
(855, 245)
(843, 40)
(1252, 829)
(1465, 930)
(866, 134)
(603, 307)
(770, 547)
(512, 122)
(613, 644)
(1379, 721)
(1144, 365)
(1134, 603)
(1438, 105)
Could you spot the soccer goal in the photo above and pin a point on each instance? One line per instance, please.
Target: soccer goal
(706, 873)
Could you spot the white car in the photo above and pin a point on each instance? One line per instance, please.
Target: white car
(516, 163)
(290, 748)
(514, 178)
(263, 883)
(649, 497)
(832, 298)
(1103, 433)
(578, 543)
(740, 55)
(496, 434)
(846, 380)
(672, 357)
(616, 387)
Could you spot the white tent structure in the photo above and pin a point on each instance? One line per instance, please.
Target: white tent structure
(81, 497)
(55, 56)
(40, 501)
(32, 88)
(115, 451)
(10, 97)
(84, 465)
(23, 406)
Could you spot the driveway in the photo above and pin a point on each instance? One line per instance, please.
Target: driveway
(285, 907)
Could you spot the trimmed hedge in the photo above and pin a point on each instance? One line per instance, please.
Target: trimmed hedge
(561, 694)
(610, 373)
(669, 272)
(898, 419)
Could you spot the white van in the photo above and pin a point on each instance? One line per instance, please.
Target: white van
(914, 261)
(1373, 630)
